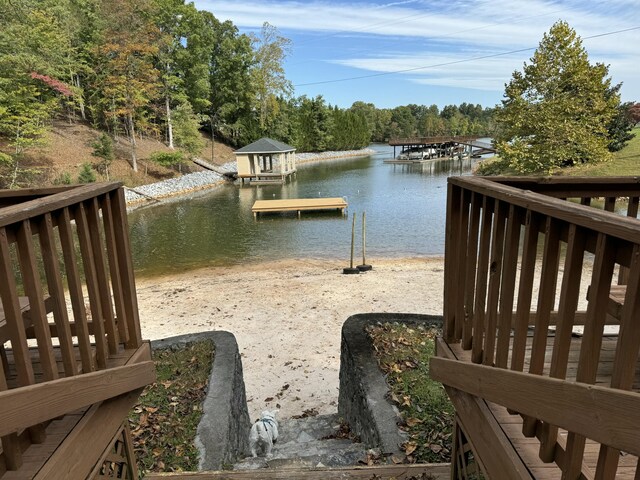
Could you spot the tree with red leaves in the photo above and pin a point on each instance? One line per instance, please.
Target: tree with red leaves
(55, 84)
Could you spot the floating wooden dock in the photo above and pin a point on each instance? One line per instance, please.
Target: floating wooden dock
(298, 205)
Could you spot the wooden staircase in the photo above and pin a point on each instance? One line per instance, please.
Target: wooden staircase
(73, 361)
(541, 342)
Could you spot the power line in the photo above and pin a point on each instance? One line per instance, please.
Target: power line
(454, 62)
(401, 20)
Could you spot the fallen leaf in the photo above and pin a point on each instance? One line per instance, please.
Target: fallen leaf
(410, 447)
(435, 448)
(412, 422)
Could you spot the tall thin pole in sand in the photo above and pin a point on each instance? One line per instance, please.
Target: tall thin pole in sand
(364, 267)
(350, 269)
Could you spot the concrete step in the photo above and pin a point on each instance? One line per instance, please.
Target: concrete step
(308, 443)
(398, 472)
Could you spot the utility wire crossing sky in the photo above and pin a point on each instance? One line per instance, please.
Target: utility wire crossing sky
(432, 51)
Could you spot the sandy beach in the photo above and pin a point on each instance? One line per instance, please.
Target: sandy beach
(287, 317)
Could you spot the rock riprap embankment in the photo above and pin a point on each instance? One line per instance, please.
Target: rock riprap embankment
(313, 157)
(178, 185)
(207, 178)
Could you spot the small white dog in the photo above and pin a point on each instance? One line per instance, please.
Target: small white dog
(264, 433)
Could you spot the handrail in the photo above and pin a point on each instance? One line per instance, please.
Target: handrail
(608, 416)
(40, 206)
(24, 407)
(581, 215)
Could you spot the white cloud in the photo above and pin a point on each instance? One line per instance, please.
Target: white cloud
(410, 34)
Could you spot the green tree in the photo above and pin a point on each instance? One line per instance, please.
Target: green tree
(556, 112)
(268, 74)
(168, 159)
(231, 84)
(403, 123)
(187, 132)
(86, 174)
(312, 124)
(620, 127)
(103, 149)
(33, 47)
(127, 82)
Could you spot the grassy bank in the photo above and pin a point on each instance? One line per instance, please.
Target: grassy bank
(164, 422)
(403, 354)
(626, 162)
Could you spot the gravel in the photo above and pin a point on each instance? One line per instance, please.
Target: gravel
(208, 179)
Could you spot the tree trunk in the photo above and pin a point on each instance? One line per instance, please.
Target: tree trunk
(81, 101)
(132, 140)
(169, 123)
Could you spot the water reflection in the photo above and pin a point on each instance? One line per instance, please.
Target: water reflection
(405, 207)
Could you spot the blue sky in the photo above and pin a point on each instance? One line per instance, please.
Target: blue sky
(437, 43)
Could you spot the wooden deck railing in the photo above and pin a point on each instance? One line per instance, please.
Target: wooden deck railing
(69, 312)
(519, 259)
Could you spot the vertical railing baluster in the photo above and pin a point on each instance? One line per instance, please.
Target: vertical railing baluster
(76, 294)
(592, 339)
(569, 296)
(10, 443)
(632, 211)
(507, 290)
(114, 268)
(625, 361)
(91, 280)
(463, 238)
(126, 268)
(451, 262)
(495, 274)
(56, 292)
(17, 333)
(610, 204)
(37, 310)
(479, 309)
(102, 276)
(546, 300)
(470, 274)
(525, 290)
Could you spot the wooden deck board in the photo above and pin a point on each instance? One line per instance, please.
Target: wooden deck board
(527, 448)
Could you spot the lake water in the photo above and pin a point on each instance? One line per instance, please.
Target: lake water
(405, 208)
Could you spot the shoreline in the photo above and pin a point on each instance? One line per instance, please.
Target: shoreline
(207, 179)
(287, 317)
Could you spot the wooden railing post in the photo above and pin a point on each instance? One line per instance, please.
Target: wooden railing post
(451, 262)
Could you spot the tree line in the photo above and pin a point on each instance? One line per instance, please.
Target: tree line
(164, 68)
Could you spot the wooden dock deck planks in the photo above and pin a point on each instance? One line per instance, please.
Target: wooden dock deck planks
(298, 205)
